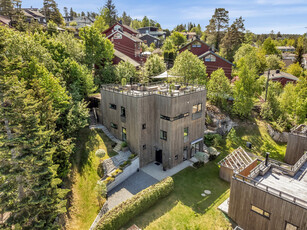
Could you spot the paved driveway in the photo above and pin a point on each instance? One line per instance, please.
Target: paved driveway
(134, 184)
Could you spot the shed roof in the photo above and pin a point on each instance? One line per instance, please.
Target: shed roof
(237, 160)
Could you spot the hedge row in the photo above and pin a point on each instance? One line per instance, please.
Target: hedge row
(121, 214)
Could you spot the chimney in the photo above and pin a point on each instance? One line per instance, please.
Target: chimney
(267, 158)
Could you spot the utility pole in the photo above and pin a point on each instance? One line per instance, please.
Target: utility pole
(267, 86)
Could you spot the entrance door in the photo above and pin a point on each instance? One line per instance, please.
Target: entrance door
(159, 156)
(185, 153)
(195, 148)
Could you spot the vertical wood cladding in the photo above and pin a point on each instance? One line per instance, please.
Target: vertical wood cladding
(147, 110)
(243, 196)
(296, 147)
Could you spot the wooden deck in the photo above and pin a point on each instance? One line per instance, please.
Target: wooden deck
(295, 186)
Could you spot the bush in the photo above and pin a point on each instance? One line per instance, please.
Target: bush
(213, 140)
(116, 172)
(198, 164)
(124, 144)
(212, 157)
(132, 156)
(109, 180)
(128, 162)
(100, 153)
(101, 191)
(100, 170)
(137, 204)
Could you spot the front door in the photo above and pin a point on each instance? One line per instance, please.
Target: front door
(195, 148)
(159, 156)
(185, 153)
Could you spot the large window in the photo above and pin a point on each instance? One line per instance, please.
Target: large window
(122, 111)
(210, 58)
(124, 134)
(197, 108)
(163, 135)
(114, 126)
(112, 106)
(260, 212)
(290, 226)
(186, 134)
(165, 117)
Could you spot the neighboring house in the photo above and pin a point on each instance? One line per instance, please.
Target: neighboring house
(282, 77)
(288, 58)
(125, 41)
(211, 60)
(189, 35)
(149, 39)
(34, 14)
(152, 30)
(286, 48)
(159, 125)
(80, 21)
(270, 194)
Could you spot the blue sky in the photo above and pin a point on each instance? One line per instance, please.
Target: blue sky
(261, 16)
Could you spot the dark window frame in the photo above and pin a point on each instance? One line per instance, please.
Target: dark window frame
(114, 126)
(199, 108)
(261, 212)
(144, 126)
(122, 111)
(112, 106)
(163, 135)
(144, 147)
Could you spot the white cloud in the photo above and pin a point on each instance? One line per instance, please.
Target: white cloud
(280, 2)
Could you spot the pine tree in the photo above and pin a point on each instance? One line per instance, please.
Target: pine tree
(52, 12)
(111, 15)
(6, 7)
(30, 185)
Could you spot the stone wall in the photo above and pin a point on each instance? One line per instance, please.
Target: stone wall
(127, 172)
(278, 136)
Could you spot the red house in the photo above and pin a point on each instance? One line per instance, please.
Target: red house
(211, 60)
(125, 43)
(282, 77)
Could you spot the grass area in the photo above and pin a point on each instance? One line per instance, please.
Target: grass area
(255, 131)
(84, 204)
(185, 208)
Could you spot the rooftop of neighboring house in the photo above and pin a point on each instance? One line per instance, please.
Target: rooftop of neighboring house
(280, 182)
(300, 129)
(81, 19)
(189, 33)
(288, 182)
(163, 89)
(34, 12)
(124, 57)
(5, 20)
(285, 48)
(288, 56)
(275, 74)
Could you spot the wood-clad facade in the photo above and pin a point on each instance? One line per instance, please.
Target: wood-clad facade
(253, 208)
(296, 146)
(158, 127)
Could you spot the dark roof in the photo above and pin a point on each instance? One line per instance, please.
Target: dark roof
(196, 40)
(274, 75)
(150, 36)
(215, 54)
(35, 13)
(148, 27)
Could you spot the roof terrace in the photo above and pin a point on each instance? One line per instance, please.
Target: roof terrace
(285, 181)
(163, 89)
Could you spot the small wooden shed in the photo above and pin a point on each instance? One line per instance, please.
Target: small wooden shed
(238, 161)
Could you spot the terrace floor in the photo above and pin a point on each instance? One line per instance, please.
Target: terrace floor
(295, 186)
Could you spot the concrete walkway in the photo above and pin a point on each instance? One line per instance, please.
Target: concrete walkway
(134, 184)
(156, 171)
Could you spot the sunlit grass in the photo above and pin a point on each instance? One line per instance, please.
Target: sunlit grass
(84, 204)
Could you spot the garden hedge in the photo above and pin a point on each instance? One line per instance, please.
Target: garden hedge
(121, 214)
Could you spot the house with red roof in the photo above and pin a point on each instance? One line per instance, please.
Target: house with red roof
(126, 43)
(212, 60)
(282, 77)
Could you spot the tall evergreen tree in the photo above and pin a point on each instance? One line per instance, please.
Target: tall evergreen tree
(217, 24)
(111, 15)
(6, 7)
(126, 19)
(52, 12)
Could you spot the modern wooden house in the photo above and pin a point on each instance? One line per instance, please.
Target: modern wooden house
(272, 196)
(153, 31)
(282, 77)
(212, 60)
(148, 39)
(157, 123)
(297, 144)
(125, 41)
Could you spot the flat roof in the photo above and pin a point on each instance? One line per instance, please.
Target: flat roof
(295, 186)
(163, 89)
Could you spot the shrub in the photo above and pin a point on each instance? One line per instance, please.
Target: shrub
(109, 180)
(132, 156)
(212, 157)
(137, 204)
(124, 144)
(128, 162)
(116, 172)
(213, 140)
(100, 153)
(198, 164)
(101, 190)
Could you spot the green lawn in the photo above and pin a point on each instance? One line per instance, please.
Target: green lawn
(84, 204)
(185, 208)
